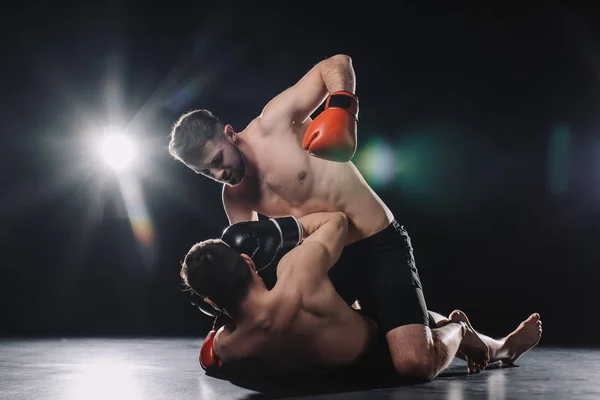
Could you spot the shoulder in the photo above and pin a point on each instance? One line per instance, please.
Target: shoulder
(223, 342)
(279, 312)
(302, 270)
(234, 342)
(228, 192)
(242, 195)
(259, 128)
(302, 258)
(234, 193)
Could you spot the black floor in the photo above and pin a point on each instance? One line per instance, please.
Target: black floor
(132, 369)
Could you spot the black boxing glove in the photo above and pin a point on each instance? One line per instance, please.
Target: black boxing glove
(262, 240)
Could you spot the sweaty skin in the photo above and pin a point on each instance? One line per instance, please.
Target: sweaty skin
(302, 325)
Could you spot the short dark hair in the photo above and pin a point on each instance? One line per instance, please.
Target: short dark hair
(191, 132)
(213, 269)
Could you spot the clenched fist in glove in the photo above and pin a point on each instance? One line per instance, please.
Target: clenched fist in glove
(332, 135)
(262, 240)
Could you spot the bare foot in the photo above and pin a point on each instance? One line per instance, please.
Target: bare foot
(525, 337)
(472, 348)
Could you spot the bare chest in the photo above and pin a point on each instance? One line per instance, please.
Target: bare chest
(285, 181)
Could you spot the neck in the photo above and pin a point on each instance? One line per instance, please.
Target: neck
(247, 154)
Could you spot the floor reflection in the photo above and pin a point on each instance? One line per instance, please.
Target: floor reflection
(455, 391)
(103, 378)
(496, 385)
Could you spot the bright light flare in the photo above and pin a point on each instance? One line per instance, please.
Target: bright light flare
(378, 162)
(118, 152)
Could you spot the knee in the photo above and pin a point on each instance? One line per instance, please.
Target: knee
(420, 368)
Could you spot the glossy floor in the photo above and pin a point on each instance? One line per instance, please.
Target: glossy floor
(148, 369)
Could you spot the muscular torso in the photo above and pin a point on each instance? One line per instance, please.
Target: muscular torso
(289, 181)
(306, 334)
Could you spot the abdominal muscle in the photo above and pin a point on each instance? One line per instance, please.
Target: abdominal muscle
(348, 192)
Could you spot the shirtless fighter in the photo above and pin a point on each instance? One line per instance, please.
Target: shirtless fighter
(302, 326)
(284, 163)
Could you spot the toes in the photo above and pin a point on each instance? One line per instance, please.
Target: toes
(484, 353)
(471, 366)
(484, 361)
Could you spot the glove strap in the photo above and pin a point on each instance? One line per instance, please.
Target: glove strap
(344, 100)
(290, 230)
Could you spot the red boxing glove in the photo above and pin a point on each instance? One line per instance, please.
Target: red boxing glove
(332, 135)
(209, 361)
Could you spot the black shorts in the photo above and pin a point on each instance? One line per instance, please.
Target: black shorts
(380, 272)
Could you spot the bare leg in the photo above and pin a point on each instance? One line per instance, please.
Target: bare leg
(440, 320)
(473, 350)
(508, 349)
(420, 352)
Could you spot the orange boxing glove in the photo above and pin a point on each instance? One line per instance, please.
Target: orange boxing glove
(209, 361)
(332, 135)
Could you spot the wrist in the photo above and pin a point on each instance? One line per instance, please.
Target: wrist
(290, 230)
(344, 100)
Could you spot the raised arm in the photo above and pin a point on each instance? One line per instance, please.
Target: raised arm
(325, 235)
(332, 135)
(297, 103)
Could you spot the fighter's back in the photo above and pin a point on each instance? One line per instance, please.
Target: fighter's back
(304, 327)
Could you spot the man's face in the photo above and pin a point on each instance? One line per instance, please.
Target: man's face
(221, 161)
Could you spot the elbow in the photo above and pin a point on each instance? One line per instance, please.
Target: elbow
(342, 222)
(343, 62)
(342, 58)
(338, 62)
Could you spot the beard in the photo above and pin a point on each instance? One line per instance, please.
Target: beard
(239, 169)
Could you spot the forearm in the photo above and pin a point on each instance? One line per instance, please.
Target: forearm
(338, 74)
(327, 228)
(446, 341)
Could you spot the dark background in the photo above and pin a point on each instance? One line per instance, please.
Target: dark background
(490, 117)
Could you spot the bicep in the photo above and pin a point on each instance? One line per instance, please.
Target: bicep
(297, 103)
(311, 258)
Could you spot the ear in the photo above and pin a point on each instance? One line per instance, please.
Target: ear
(216, 307)
(229, 133)
(250, 262)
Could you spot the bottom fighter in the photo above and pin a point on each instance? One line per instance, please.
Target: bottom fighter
(302, 326)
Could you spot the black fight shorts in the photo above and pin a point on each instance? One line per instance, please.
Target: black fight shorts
(380, 272)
